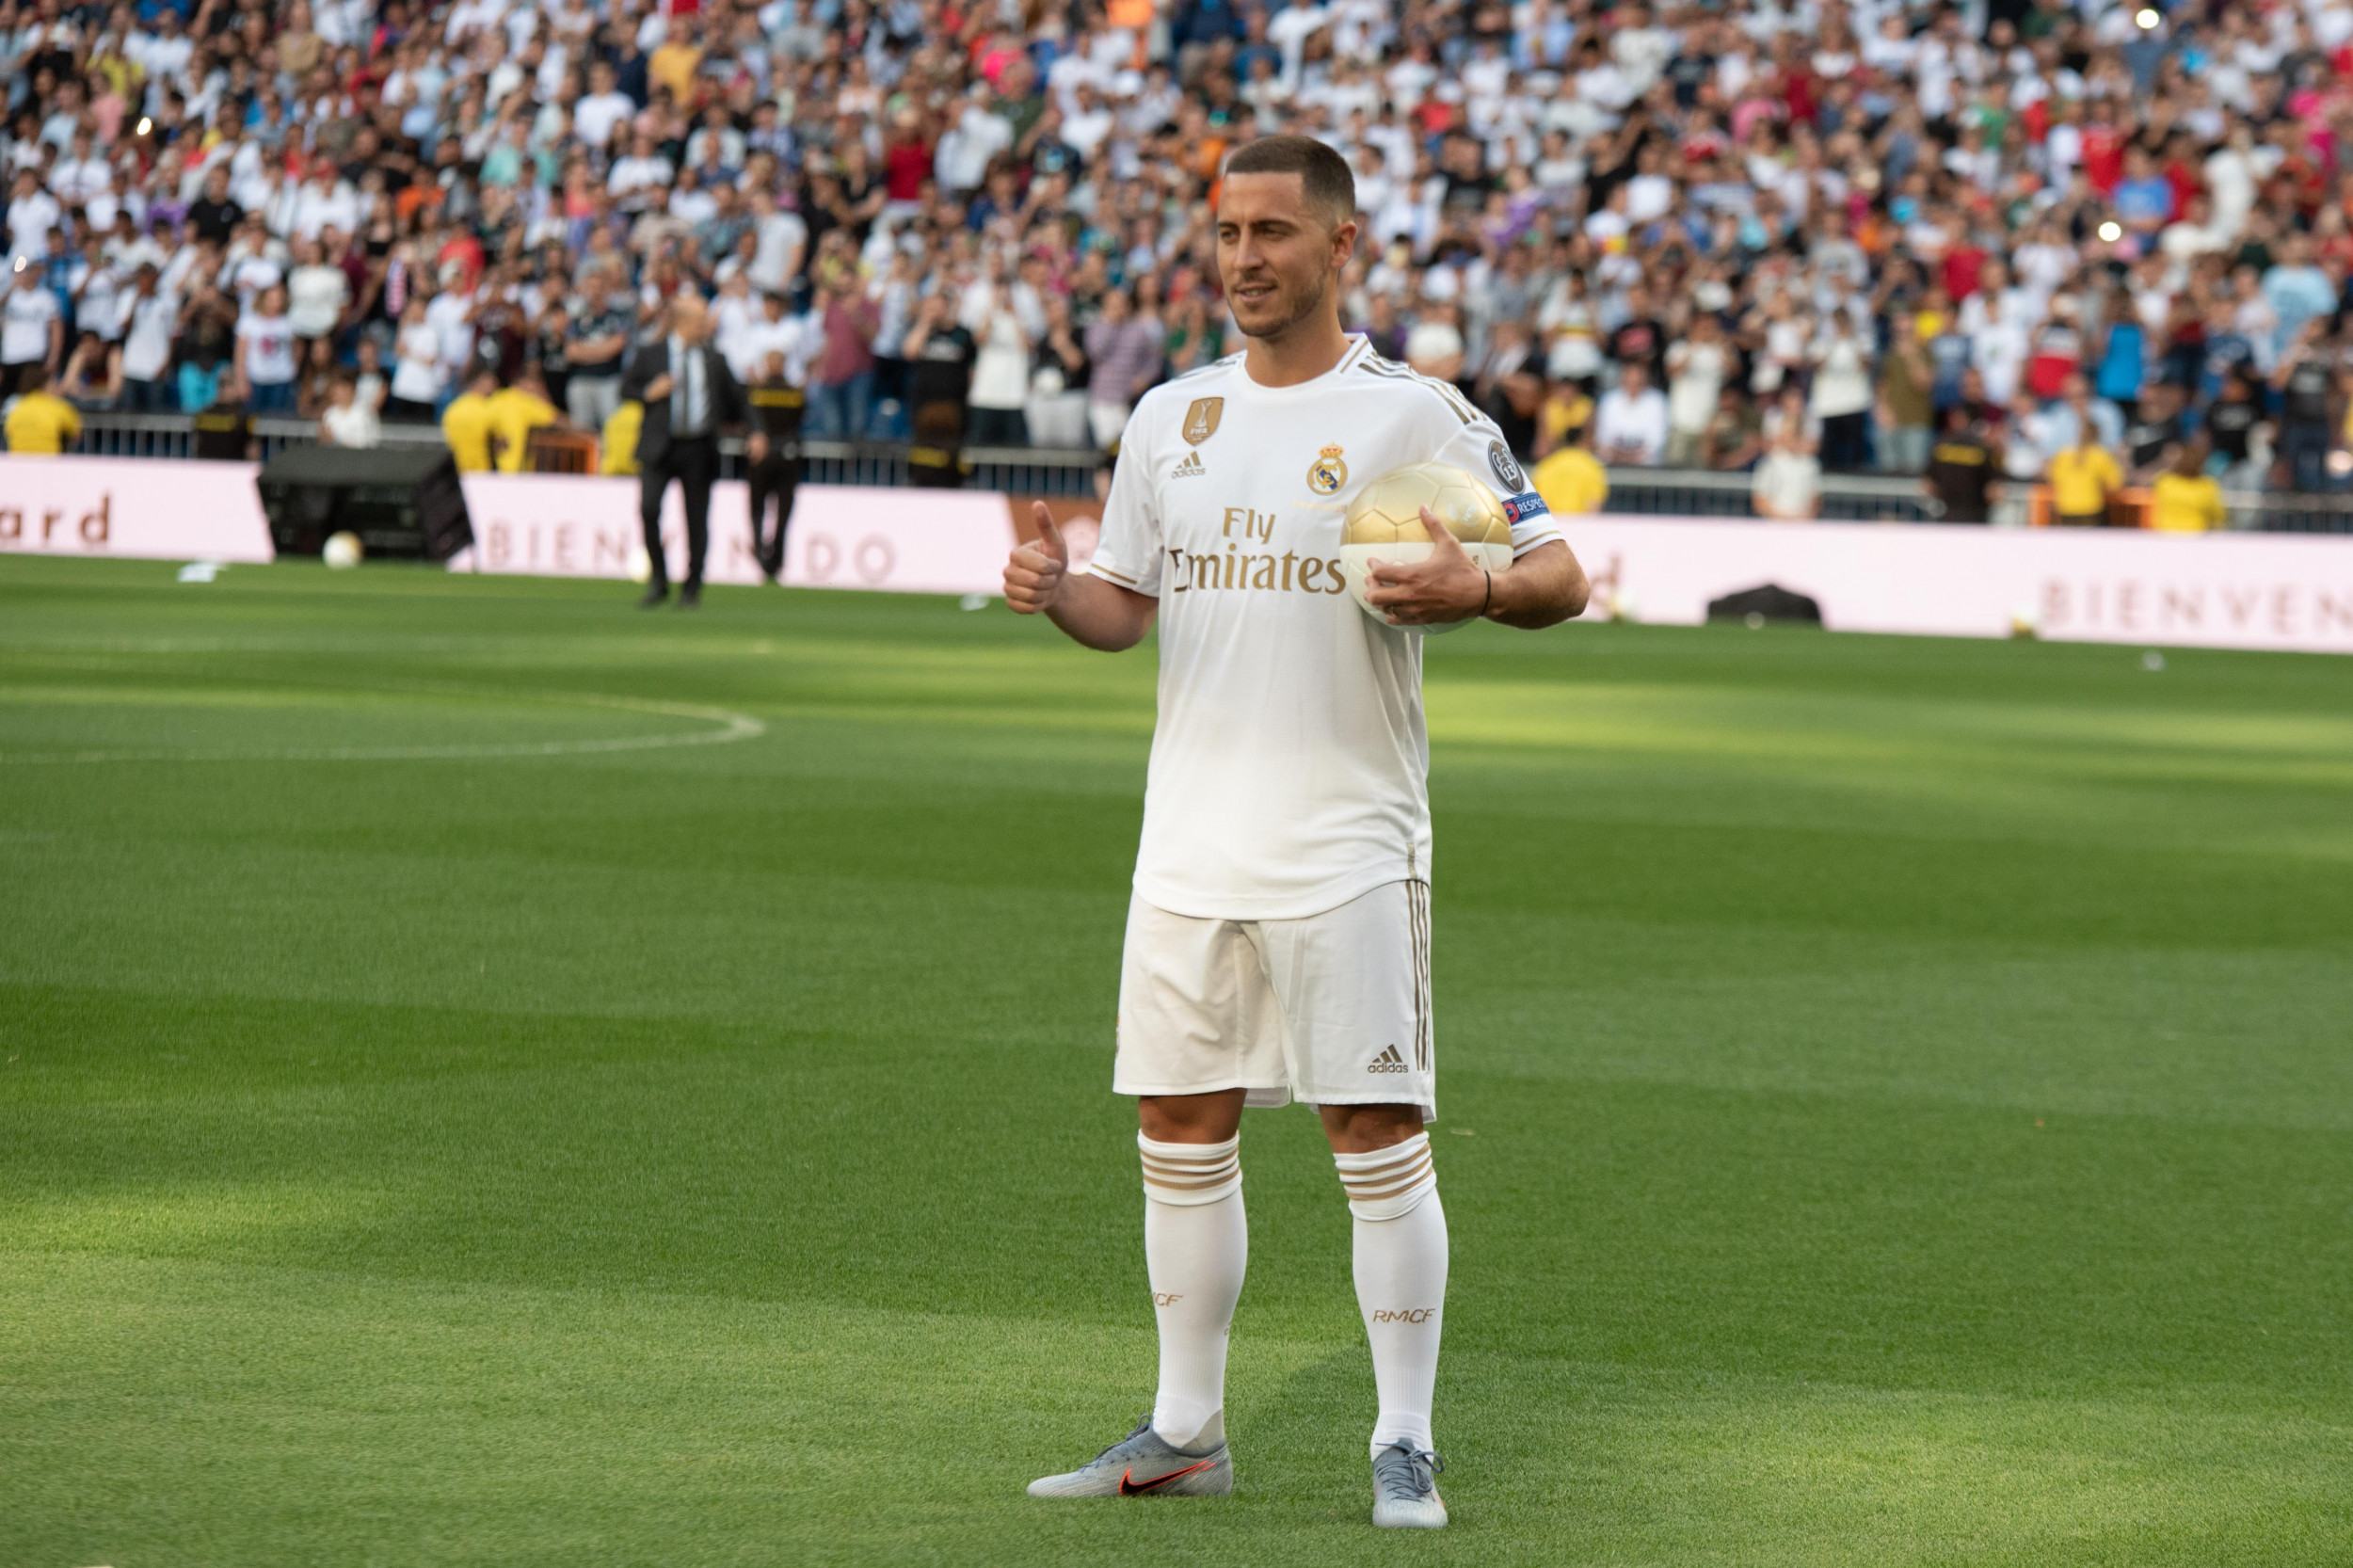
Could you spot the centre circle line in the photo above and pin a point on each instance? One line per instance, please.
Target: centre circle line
(731, 727)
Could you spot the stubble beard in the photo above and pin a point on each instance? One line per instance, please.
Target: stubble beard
(1309, 306)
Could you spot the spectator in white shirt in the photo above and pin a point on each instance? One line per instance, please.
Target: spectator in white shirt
(2195, 233)
(1840, 396)
(1696, 368)
(253, 263)
(1631, 425)
(1787, 486)
(451, 316)
(32, 330)
(644, 169)
(606, 106)
(773, 335)
(783, 241)
(147, 316)
(315, 291)
(325, 201)
(1001, 369)
(347, 420)
(94, 285)
(416, 386)
(1434, 346)
(1084, 127)
(82, 179)
(733, 312)
(961, 160)
(126, 247)
(265, 362)
(32, 213)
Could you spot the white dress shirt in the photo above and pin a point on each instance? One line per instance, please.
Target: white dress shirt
(690, 390)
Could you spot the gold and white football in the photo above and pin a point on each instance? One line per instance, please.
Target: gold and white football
(1384, 525)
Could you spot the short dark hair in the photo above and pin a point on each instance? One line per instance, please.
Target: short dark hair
(1323, 174)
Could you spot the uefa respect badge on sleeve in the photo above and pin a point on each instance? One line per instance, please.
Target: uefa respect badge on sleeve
(1527, 504)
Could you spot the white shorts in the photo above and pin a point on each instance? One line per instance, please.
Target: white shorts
(1332, 1009)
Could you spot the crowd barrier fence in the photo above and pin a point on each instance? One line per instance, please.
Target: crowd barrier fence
(1048, 472)
(1031, 471)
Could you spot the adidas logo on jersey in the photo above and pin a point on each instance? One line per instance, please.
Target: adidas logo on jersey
(1192, 468)
(1387, 1062)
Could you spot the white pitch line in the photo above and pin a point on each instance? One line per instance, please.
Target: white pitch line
(732, 726)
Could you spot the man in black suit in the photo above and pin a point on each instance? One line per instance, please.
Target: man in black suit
(688, 393)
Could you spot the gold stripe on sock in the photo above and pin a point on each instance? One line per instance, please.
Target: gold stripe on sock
(1188, 1185)
(1398, 1154)
(1188, 1167)
(1188, 1178)
(1388, 1183)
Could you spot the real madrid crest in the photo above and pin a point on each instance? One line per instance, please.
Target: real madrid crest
(1201, 419)
(1327, 473)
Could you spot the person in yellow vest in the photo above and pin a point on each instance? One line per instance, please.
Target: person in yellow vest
(620, 439)
(1571, 480)
(1565, 409)
(2186, 499)
(2085, 475)
(41, 423)
(516, 412)
(466, 422)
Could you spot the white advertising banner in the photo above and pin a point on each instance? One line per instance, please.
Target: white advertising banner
(842, 535)
(2281, 591)
(147, 509)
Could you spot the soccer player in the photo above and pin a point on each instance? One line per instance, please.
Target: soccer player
(1278, 940)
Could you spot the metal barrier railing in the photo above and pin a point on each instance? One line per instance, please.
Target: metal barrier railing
(1869, 497)
(1703, 493)
(1633, 491)
(1019, 470)
(2289, 512)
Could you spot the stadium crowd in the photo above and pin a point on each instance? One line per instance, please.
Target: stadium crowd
(2090, 244)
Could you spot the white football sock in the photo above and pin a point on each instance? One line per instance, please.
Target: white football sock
(1400, 1280)
(1196, 1244)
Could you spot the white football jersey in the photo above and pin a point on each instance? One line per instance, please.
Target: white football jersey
(1289, 766)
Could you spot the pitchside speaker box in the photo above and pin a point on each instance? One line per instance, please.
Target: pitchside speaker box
(402, 502)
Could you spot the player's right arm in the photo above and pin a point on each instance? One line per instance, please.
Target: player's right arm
(1111, 603)
(1090, 610)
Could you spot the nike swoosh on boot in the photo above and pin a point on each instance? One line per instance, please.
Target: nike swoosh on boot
(1130, 1487)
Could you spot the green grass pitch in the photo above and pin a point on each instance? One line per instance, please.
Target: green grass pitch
(1898, 1094)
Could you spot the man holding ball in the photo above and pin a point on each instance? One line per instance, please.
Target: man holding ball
(1278, 940)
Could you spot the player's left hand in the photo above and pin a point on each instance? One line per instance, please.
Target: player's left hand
(1444, 587)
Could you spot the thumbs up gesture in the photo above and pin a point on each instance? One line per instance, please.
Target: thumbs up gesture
(1446, 586)
(1036, 571)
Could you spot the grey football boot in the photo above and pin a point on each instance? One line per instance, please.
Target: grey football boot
(1406, 1488)
(1142, 1464)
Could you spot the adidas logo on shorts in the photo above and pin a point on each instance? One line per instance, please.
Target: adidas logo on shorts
(1387, 1062)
